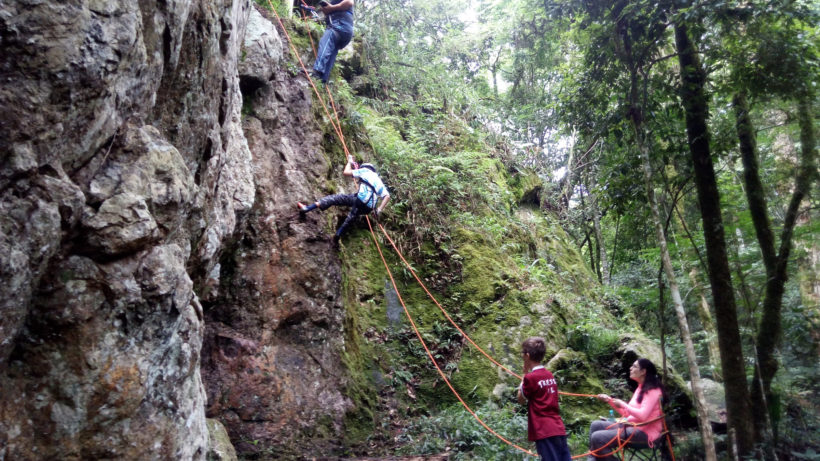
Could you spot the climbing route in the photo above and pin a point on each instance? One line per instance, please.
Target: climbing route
(620, 444)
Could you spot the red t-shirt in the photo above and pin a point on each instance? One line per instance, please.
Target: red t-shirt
(543, 416)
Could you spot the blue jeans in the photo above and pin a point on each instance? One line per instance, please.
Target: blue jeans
(553, 448)
(336, 37)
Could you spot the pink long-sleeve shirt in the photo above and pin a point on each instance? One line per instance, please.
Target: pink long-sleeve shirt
(649, 409)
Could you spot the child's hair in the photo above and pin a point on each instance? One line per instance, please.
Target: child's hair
(535, 347)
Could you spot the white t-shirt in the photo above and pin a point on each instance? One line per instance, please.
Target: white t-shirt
(366, 194)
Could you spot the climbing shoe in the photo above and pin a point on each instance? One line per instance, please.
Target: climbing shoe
(334, 242)
(305, 208)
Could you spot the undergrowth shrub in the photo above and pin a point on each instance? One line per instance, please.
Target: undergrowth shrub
(456, 431)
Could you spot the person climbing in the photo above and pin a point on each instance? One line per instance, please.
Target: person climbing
(339, 32)
(643, 414)
(539, 391)
(370, 190)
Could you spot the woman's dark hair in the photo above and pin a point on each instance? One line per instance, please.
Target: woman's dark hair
(652, 380)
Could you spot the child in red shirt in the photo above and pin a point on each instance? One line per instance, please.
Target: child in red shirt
(539, 391)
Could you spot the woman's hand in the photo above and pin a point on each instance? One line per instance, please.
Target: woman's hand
(617, 403)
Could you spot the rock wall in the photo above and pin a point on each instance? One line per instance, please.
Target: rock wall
(271, 359)
(123, 170)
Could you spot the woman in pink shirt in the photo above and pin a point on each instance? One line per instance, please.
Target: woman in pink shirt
(643, 412)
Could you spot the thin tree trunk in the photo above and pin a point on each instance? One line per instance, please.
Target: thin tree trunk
(677, 303)
(614, 247)
(603, 272)
(603, 266)
(708, 324)
(596, 223)
(731, 351)
(567, 185)
(635, 115)
(662, 316)
(691, 240)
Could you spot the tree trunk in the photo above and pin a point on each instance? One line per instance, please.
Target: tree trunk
(661, 316)
(635, 115)
(810, 290)
(614, 247)
(705, 315)
(731, 351)
(567, 185)
(603, 265)
(769, 333)
(677, 302)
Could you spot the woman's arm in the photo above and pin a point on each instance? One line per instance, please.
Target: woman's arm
(616, 404)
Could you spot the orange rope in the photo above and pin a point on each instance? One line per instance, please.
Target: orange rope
(430, 355)
(338, 125)
(441, 308)
(619, 448)
(617, 438)
(443, 311)
(310, 36)
(623, 445)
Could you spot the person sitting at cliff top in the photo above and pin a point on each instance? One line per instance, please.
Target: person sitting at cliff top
(371, 189)
(339, 32)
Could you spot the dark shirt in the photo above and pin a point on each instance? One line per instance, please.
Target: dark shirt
(343, 16)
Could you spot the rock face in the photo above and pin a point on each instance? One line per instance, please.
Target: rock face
(123, 170)
(130, 199)
(271, 360)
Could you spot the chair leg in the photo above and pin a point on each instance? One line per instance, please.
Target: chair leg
(642, 454)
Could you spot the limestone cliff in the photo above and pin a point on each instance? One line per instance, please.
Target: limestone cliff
(123, 170)
(148, 233)
(271, 360)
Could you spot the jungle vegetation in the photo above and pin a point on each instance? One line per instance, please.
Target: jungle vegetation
(675, 142)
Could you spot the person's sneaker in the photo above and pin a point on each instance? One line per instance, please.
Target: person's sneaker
(334, 241)
(302, 207)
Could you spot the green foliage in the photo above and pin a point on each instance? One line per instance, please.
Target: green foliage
(456, 431)
(598, 343)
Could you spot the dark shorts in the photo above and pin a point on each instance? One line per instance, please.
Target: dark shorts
(553, 448)
(357, 208)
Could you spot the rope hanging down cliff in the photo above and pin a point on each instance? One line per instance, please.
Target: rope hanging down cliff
(621, 444)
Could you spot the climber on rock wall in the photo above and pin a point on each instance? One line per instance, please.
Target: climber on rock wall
(370, 190)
